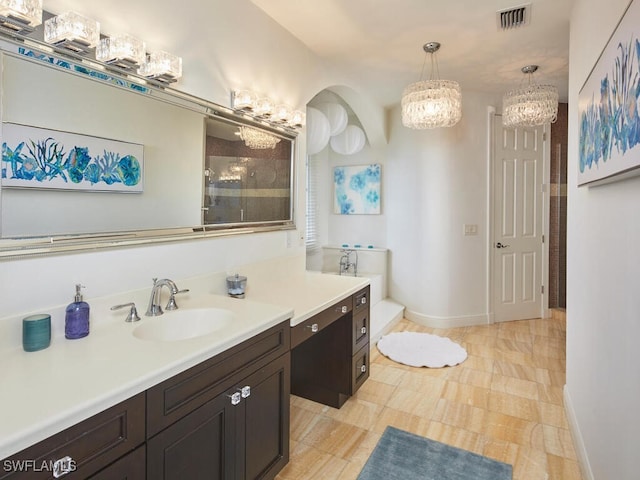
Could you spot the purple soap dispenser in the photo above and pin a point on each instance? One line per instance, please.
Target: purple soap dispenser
(76, 319)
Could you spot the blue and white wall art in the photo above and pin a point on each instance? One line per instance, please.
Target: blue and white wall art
(608, 104)
(35, 157)
(357, 189)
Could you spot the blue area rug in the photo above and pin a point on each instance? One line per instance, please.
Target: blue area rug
(403, 455)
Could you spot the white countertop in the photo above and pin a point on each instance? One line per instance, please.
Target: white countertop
(47, 391)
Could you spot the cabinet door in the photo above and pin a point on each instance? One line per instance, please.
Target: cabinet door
(265, 428)
(130, 467)
(199, 446)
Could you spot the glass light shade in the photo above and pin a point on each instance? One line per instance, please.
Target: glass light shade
(162, 66)
(530, 106)
(431, 104)
(281, 114)
(21, 12)
(244, 100)
(350, 141)
(264, 107)
(258, 139)
(72, 31)
(122, 50)
(297, 119)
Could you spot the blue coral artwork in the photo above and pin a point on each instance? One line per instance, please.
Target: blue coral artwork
(609, 147)
(34, 157)
(357, 189)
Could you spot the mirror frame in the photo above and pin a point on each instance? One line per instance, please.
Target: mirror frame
(56, 244)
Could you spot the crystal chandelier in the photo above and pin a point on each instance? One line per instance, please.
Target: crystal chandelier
(431, 103)
(257, 139)
(530, 106)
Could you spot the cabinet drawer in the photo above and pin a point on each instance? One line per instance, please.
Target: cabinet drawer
(361, 300)
(130, 467)
(313, 325)
(91, 444)
(174, 398)
(360, 333)
(359, 368)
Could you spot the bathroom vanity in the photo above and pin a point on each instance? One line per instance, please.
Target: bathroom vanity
(198, 408)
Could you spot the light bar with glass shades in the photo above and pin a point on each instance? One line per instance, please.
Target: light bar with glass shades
(72, 31)
(20, 15)
(124, 51)
(431, 103)
(530, 106)
(264, 109)
(257, 139)
(161, 66)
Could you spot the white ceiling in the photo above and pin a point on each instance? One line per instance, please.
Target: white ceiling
(379, 42)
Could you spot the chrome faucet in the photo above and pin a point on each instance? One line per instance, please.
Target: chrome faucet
(154, 308)
(346, 264)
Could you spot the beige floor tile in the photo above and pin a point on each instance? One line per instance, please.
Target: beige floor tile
(466, 394)
(563, 468)
(505, 401)
(515, 406)
(459, 415)
(514, 386)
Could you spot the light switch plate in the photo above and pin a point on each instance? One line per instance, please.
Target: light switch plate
(470, 229)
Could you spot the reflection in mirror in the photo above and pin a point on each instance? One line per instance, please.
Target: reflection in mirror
(203, 173)
(247, 175)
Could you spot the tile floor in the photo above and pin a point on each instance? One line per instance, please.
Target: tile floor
(505, 402)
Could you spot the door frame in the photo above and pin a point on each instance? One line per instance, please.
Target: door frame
(491, 252)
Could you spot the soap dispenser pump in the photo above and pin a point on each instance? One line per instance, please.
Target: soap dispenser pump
(76, 319)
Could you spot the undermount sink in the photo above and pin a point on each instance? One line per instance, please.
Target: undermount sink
(183, 324)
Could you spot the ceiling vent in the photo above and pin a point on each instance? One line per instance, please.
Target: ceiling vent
(514, 17)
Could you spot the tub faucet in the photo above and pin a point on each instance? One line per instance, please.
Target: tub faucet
(154, 308)
(346, 264)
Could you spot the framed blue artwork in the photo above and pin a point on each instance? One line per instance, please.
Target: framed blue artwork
(357, 189)
(35, 157)
(608, 106)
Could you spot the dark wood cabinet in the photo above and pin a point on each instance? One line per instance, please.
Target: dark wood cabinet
(83, 449)
(226, 418)
(330, 351)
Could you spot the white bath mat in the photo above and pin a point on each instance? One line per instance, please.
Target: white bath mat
(421, 349)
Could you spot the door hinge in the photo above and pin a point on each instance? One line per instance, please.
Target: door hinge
(543, 238)
(544, 136)
(542, 289)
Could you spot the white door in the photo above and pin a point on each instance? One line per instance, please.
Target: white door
(517, 222)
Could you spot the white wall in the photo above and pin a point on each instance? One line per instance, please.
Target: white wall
(435, 181)
(603, 265)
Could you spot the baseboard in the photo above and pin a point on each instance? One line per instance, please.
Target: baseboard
(446, 322)
(578, 443)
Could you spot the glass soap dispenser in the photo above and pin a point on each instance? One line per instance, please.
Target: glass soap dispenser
(76, 319)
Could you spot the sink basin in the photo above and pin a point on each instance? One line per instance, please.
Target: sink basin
(183, 324)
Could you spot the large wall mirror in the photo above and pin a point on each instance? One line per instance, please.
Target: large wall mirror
(202, 169)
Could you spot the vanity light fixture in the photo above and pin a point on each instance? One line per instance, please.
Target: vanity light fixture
(161, 66)
(530, 106)
(431, 103)
(124, 51)
(244, 100)
(20, 15)
(72, 31)
(263, 108)
(257, 139)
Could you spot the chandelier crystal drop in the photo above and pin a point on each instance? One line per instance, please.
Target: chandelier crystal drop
(530, 106)
(257, 139)
(432, 103)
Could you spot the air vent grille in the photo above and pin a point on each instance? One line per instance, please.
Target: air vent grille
(514, 17)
